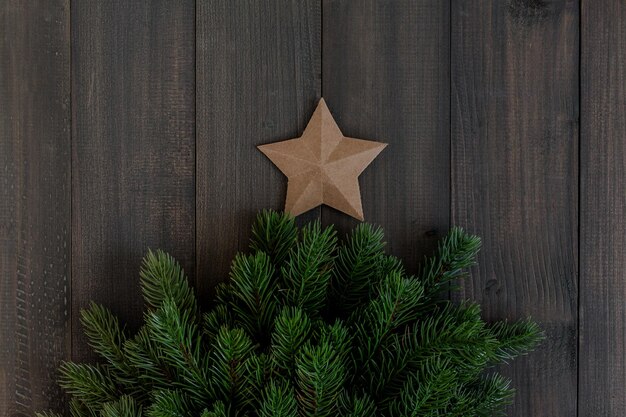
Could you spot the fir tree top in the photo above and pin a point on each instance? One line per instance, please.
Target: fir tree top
(306, 326)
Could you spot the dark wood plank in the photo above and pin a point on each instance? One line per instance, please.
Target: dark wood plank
(514, 179)
(386, 78)
(602, 370)
(258, 81)
(133, 147)
(34, 203)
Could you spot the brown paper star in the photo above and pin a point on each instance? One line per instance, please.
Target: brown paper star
(323, 166)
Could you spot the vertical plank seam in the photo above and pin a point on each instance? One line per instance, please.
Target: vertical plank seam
(195, 150)
(321, 52)
(579, 154)
(449, 122)
(450, 161)
(70, 266)
(321, 208)
(450, 157)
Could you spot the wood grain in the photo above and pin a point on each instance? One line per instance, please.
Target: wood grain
(386, 78)
(133, 147)
(100, 158)
(602, 370)
(258, 81)
(514, 179)
(34, 203)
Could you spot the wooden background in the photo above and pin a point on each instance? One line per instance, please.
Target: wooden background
(126, 125)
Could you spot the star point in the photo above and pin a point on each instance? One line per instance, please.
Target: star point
(323, 166)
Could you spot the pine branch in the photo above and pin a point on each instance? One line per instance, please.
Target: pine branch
(320, 377)
(457, 333)
(162, 278)
(105, 336)
(339, 337)
(259, 372)
(171, 403)
(78, 409)
(275, 234)
(124, 407)
(455, 254)
(253, 293)
(396, 305)
(180, 347)
(427, 392)
(228, 368)
(278, 401)
(485, 397)
(219, 410)
(515, 339)
(292, 331)
(150, 370)
(357, 406)
(389, 264)
(215, 319)
(357, 268)
(304, 327)
(92, 385)
(307, 271)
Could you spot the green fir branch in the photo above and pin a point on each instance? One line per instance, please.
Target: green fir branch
(79, 409)
(427, 392)
(176, 334)
(306, 273)
(92, 385)
(357, 405)
(228, 370)
(515, 339)
(292, 330)
(320, 377)
(275, 234)
(305, 326)
(456, 253)
(106, 337)
(358, 267)
(125, 406)
(171, 403)
(162, 278)
(278, 400)
(253, 298)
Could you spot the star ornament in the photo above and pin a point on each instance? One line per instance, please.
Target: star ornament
(323, 166)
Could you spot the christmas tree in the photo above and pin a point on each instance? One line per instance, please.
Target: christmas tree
(305, 326)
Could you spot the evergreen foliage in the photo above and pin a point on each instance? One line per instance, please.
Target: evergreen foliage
(306, 326)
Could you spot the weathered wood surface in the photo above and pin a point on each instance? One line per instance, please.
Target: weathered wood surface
(128, 125)
(515, 179)
(133, 72)
(602, 390)
(258, 81)
(34, 203)
(386, 77)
